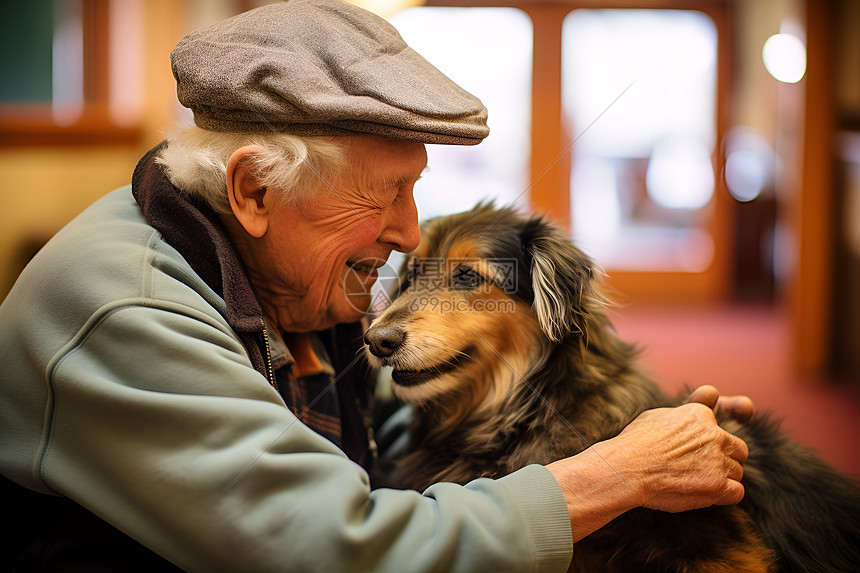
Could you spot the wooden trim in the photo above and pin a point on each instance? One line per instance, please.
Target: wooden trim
(663, 287)
(549, 175)
(34, 126)
(812, 211)
(96, 33)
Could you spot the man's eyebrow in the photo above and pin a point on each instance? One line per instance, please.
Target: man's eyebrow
(399, 181)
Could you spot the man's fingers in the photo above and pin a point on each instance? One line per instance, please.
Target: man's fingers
(736, 471)
(738, 407)
(740, 451)
(732, 493)
(707, 395)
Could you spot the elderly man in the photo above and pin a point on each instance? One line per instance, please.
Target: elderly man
(179, 381)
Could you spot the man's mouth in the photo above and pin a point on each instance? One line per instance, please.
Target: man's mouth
(366, 268)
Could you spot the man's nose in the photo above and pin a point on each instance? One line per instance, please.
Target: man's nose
(401, 231)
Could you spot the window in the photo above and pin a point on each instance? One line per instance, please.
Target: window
(488, 52)
(74, 67)
(639, 96)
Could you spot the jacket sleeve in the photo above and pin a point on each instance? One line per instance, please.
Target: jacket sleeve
(158, 423)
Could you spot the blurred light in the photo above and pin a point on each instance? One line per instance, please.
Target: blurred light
(745, 175)
(694, 251)
(67, 99)
(749, 164)
(386, 8)
(784, 252)
(125, 98)
(849, 152)
(784, 56)
(680, 174)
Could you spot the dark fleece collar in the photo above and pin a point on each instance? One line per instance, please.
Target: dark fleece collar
(194, 231)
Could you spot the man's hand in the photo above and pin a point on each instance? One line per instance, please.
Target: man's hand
(669, 459)
(686, 460)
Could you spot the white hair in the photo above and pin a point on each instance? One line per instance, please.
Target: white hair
(196, 163)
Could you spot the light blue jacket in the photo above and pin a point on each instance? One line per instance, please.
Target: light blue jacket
(124, 388)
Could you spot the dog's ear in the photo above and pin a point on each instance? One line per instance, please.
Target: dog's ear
(561, 278)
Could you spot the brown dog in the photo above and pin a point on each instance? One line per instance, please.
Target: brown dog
(500, 338)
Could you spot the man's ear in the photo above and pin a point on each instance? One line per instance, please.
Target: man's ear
(246, 195)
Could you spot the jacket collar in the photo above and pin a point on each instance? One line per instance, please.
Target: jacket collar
(193, 230)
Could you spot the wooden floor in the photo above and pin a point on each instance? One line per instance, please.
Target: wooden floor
(744, 350)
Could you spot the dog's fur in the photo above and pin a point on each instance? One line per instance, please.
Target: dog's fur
(500, 338)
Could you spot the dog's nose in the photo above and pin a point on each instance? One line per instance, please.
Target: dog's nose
(384, 340)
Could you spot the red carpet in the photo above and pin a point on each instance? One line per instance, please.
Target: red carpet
(744, 350)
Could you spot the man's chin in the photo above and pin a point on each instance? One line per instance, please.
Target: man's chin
(354, 308)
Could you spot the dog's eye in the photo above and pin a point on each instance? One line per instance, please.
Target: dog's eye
(465, 278)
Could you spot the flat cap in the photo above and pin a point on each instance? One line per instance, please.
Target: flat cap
(320, 67)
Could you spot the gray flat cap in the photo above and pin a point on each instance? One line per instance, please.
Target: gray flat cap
(320, 67)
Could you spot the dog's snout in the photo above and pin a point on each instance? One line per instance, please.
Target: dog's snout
(384, 340)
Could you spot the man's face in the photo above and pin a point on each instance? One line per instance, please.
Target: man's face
(322, 254)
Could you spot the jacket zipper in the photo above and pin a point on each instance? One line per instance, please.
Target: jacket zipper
(269, 371)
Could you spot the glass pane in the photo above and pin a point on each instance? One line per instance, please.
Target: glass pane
(26, 29)
(638, 90)
(488, 52)
(41, 47)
